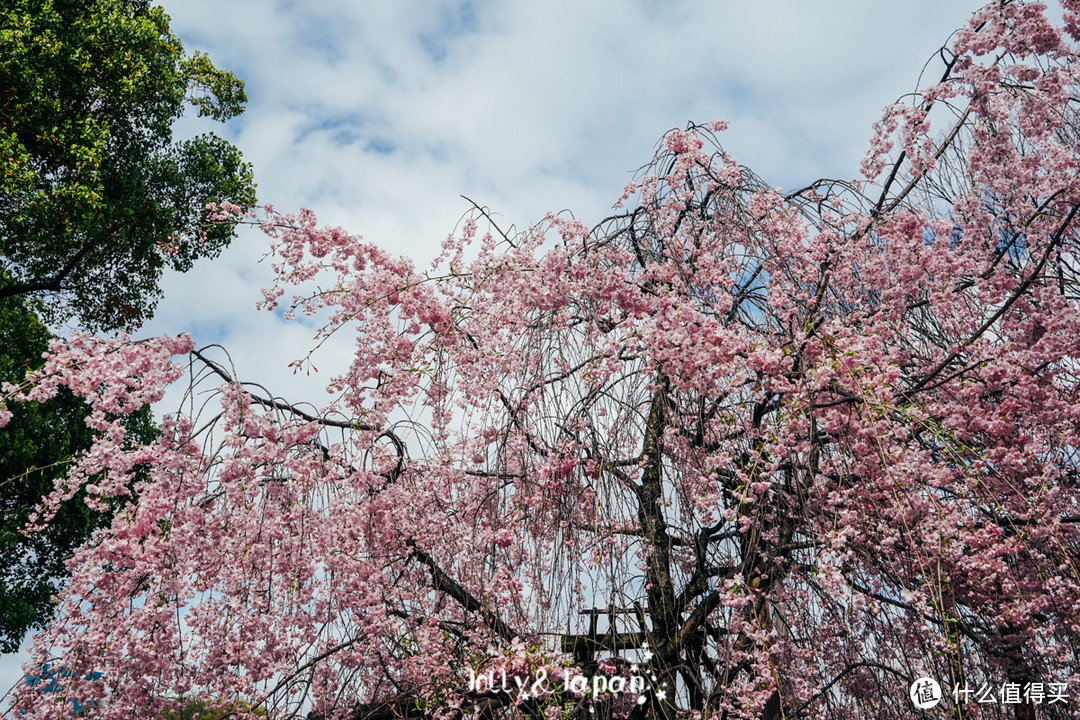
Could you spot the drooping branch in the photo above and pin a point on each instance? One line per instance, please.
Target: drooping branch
(442, 582)
(276, 404)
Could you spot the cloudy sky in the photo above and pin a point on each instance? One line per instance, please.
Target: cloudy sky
(379, 116)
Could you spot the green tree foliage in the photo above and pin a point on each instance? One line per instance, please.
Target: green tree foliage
(96, 199)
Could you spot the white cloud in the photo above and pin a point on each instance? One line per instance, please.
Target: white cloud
(379, 116)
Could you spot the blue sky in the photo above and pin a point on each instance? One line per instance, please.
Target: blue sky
(379, 116)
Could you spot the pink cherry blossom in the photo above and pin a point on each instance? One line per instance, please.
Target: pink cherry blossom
(779, 454)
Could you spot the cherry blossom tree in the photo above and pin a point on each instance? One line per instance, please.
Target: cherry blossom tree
(729, 453)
